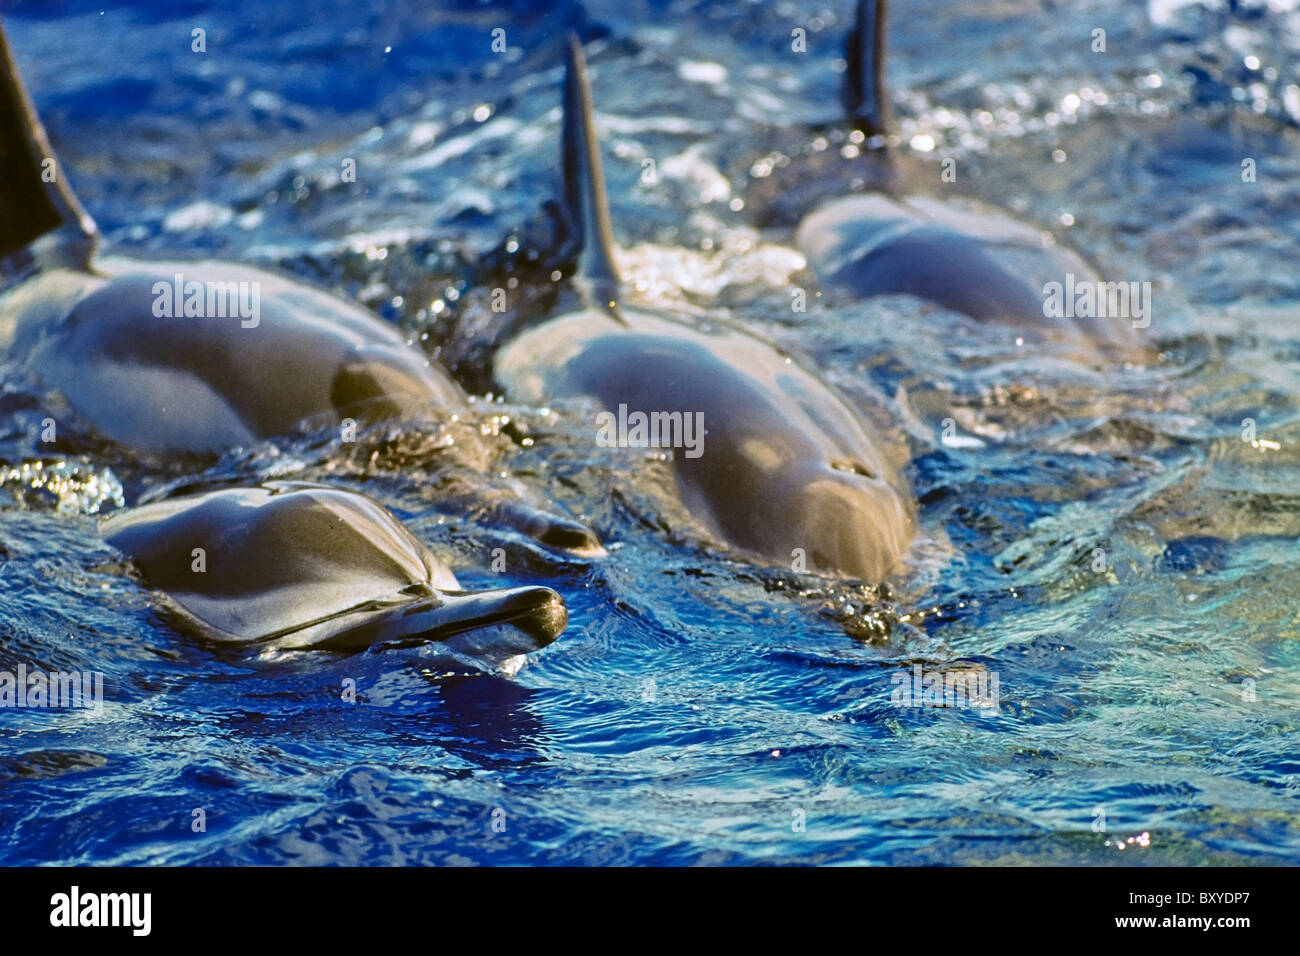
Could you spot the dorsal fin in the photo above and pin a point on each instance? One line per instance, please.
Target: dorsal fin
(584, 185)
(865, 97)
(35, 199)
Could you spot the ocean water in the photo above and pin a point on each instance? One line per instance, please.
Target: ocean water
(1114, 549)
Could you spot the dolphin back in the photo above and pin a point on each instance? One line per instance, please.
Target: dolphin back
(975, 261)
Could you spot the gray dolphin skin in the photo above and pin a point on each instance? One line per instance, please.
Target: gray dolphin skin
(296, 566)
(205, 384)
(975, 260)
(785, 465)
(181, 356)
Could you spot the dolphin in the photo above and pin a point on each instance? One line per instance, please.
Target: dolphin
(289, 566)
(200, 357)
(179, 356)
(781, 467)
(974, 259)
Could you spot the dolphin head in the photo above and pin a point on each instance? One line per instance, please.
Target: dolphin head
(848, 519)
(836, 513)
(292, 566)
(491, 629)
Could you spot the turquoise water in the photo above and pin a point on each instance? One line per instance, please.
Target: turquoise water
(1102, 541)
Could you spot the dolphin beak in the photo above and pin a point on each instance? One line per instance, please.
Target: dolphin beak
(570, 536)
(482, 628)
(538, 613)
(497, 628)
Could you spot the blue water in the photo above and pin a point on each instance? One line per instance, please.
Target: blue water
(1103, 541)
